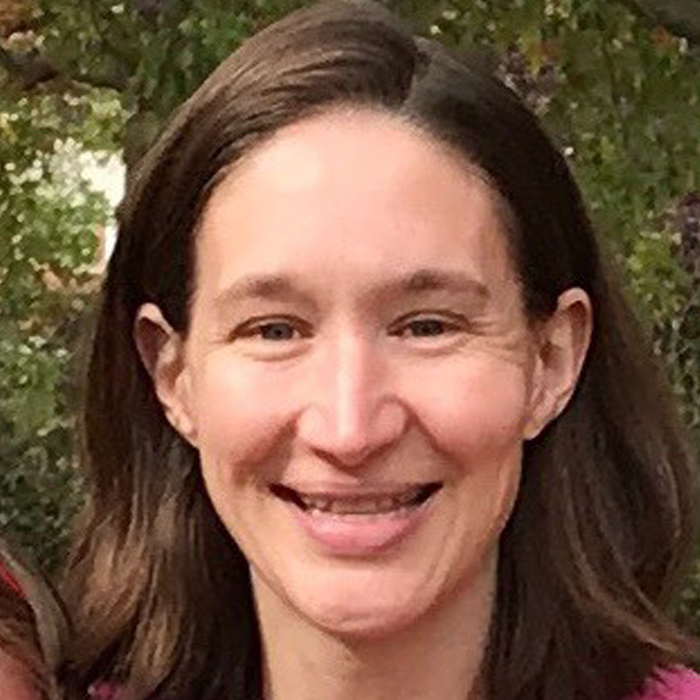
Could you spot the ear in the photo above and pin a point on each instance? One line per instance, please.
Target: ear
(163, 355)
(562, 344)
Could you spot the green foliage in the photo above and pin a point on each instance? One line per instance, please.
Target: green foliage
(48, 220)
(156, 52)
(620, 96)
(622, 99)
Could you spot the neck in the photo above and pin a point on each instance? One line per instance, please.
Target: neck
(438, 657)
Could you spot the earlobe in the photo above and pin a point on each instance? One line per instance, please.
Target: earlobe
(563, 344)
(162, 352)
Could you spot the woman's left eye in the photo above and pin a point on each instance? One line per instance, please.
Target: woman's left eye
(425, 328)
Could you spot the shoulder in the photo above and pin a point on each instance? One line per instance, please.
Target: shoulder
(677, 684)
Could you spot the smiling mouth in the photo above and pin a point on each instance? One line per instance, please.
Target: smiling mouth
(396, 503)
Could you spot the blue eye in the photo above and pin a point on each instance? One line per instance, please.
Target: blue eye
(275, 330)
(271, 330)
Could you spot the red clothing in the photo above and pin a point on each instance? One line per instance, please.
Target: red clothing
(9, 580)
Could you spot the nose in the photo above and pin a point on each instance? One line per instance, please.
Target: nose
(350, 413)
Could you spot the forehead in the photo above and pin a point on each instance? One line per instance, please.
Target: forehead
(354, 191)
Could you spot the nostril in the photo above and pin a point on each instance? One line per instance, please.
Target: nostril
(352, 430)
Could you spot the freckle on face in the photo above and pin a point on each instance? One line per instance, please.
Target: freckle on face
(349, 400)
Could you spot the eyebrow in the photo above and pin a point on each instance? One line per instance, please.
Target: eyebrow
(433, 279)
(273, 287)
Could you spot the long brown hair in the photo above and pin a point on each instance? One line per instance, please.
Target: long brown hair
(33, 625)
(603, 522)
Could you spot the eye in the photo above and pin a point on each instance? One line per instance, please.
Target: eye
(425, 327)
(277, 330)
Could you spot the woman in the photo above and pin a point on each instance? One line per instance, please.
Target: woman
(367, 415)
(32, 632)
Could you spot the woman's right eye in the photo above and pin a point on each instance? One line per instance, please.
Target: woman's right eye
(274, 330)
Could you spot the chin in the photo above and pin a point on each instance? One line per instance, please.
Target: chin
(363, 624)
(361, 614)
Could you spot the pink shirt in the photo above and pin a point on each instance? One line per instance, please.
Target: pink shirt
(682, 684)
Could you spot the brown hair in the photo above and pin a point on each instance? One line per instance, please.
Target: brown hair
(33, 626)
(604, 517)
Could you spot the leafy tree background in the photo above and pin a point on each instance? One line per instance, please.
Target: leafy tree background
(616, 82)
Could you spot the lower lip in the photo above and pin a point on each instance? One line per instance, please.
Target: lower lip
(360, 535)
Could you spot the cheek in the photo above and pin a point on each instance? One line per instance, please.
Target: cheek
(478, 409)
(238, 411)
(477, 421)
(471, 408)
(15, 680)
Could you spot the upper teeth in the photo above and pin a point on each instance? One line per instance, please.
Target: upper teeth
(359, 504)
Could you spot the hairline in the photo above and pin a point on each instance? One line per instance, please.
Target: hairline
(402, 116)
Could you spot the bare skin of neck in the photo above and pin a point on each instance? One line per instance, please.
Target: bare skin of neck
(436, 658)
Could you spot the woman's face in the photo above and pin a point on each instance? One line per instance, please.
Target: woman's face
(359, 375)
